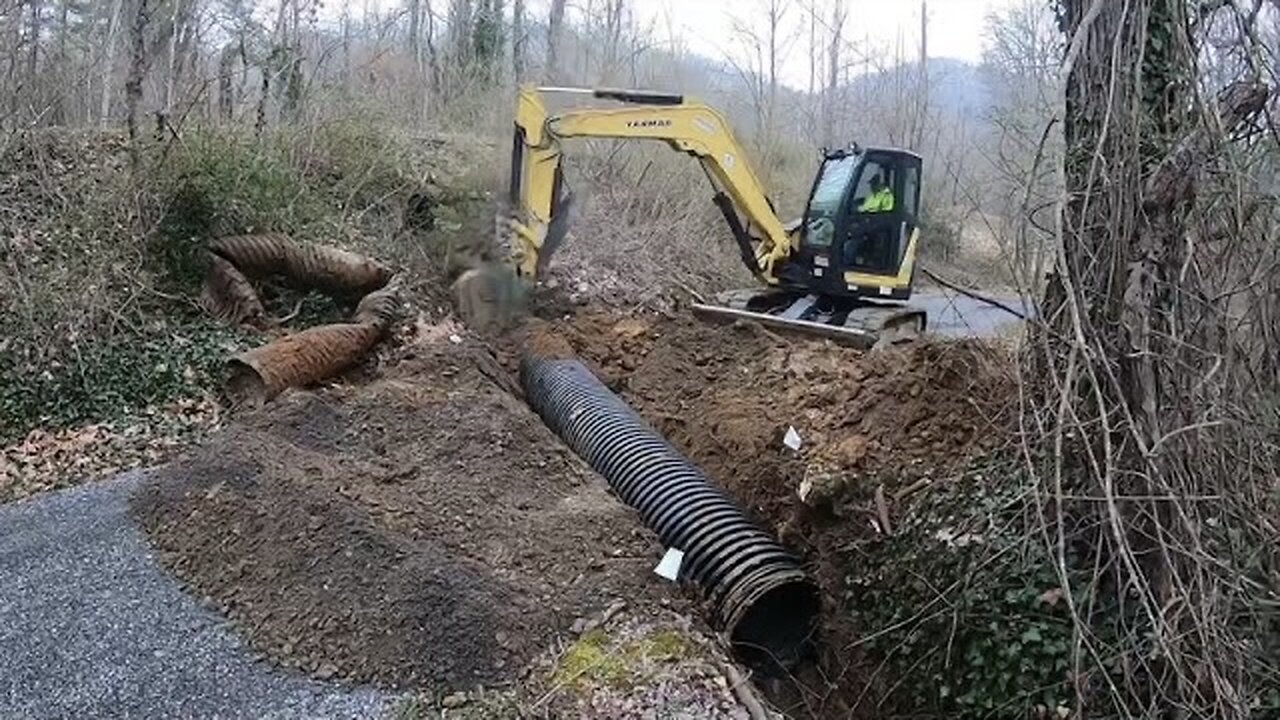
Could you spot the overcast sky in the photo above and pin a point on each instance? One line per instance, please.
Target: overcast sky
(706, 26)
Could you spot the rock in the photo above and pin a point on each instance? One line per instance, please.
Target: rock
(454, 700)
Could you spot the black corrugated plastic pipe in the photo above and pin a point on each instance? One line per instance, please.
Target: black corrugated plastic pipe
(759, 595)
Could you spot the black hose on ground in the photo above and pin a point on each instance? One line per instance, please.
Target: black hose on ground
(759, 595)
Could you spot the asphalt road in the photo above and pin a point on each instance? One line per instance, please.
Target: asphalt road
(92, 627)
(954, 315)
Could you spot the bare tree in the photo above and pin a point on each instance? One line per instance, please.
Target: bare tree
(922, 92)
(1019, 68)
(33, 38)
(555, 32)
(613, 23)
(762, 44)
(137, 69)
(417, 93)
(517, 41)
(415, 32)
(835, 34)
(226, 73)
(1150, 398)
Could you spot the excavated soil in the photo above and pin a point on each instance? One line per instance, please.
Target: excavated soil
(727, 395)
(422, 530)
(876, 429)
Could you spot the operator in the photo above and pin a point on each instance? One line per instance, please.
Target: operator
(881, 198)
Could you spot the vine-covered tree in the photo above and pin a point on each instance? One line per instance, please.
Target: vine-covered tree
(1144, 395)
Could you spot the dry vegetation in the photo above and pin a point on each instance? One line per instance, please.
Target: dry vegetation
(1126, 558)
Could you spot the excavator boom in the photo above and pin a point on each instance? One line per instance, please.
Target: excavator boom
(688, 127)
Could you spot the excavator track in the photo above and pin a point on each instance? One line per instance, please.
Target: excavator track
(855, 323)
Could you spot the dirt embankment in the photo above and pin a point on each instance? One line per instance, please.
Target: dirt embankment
(421, 530)
(727, 395)
(874, 427)
(420, 527)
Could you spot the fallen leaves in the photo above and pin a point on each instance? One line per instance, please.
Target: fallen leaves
(52, 459)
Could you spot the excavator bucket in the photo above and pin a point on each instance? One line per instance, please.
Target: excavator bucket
(489, 297)
(855, 323)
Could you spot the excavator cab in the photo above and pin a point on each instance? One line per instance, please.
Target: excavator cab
(859, 232)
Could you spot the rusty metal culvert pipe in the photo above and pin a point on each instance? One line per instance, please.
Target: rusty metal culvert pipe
(759, 595)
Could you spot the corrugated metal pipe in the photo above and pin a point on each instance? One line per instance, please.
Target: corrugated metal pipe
(759, 595)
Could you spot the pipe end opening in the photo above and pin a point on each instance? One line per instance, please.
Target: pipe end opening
(776, 631)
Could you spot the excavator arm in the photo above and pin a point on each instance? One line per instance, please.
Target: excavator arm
(542, 205)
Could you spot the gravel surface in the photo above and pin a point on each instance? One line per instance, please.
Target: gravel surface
(91, 626)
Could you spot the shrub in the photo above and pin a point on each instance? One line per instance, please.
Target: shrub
(960, 609)
(101, 271)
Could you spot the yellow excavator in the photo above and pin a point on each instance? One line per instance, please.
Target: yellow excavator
(843, 270)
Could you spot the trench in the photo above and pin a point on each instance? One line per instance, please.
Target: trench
(759, 596)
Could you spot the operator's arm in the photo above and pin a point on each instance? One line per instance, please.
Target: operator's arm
(692, 128)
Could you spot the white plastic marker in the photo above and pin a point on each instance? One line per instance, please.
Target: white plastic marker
(669, 565)
(791, 439)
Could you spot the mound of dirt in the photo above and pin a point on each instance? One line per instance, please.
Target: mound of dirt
(420, 530)
(726, 397)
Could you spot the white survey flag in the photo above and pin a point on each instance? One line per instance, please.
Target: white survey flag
(669, 566)
(791, 439)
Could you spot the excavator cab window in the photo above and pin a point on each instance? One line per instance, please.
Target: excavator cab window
(827, 198)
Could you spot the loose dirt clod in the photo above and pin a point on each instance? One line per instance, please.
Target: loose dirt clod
(422, 530)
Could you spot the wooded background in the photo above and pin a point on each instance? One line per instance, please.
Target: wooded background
(437, 65)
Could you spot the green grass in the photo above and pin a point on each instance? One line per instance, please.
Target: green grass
(597, 660)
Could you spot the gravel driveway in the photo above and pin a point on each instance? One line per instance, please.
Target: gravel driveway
(92, 627)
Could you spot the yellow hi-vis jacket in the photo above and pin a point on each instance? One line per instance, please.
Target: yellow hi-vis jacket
(878, 202)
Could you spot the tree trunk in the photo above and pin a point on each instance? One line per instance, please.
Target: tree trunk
(417, 91)
(33, 41)
(433, 55)
(613, 13)
(272, 65)
(771, 104)
(133, 86)
(1119, 348)
(293, 68)
(226, 88)
(172, 67)
(346, 48)
(415, 31)
(833, 74)
(922, 116)
(555, 28)
(60, 115)
(487, 37)
(517, 41)
(107, 61)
